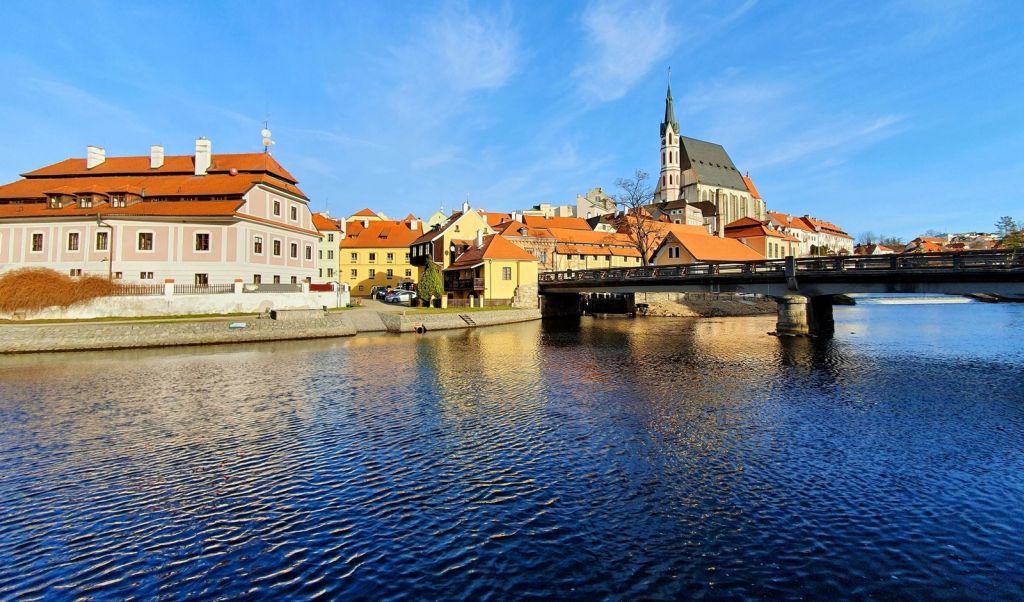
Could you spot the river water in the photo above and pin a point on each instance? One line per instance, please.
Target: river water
(623, 459)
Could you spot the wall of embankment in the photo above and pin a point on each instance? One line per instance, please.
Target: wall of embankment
(85, 336)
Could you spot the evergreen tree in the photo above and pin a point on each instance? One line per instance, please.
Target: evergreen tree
(431, 284)
(1011, 233)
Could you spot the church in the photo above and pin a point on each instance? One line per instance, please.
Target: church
(699, 184)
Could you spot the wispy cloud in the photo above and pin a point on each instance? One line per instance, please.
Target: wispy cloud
(830, 139)
(77, 101)
(625, 40)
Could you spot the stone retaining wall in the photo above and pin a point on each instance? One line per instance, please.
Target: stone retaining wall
(24, 338)
(448, 321)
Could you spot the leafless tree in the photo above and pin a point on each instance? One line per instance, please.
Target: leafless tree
(634, 195)
(867, 238)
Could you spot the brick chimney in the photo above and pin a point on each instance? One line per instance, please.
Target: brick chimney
(204, 155)
(156, 156)
(94, 155)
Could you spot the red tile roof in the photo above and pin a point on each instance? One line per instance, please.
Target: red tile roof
(380, 234)
(567, 223)
(514, 228)
(173, 165)
(325, 223)
(748, 227)
(364, 213)
(147, 208)
(750, 186)
(494, 247)
(704, 247)
(494, 218)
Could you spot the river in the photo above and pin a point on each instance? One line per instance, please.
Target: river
(614, 458)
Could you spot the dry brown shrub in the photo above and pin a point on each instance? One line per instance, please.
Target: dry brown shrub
(32, 289)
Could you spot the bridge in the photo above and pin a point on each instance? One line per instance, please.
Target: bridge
(804, 287)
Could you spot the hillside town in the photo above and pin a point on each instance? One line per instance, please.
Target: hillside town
(209, 219)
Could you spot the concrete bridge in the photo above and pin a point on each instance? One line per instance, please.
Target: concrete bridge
(804, 288)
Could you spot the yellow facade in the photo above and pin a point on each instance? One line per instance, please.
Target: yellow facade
(575, 261)
(365, 268)
(501, 278)
(463, 229)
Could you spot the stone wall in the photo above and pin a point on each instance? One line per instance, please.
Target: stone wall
(448, 321)
(23, 338)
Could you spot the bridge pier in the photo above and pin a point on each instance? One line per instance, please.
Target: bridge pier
(553, 305)
(802, 316)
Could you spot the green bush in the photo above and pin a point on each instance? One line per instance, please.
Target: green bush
(431, 284)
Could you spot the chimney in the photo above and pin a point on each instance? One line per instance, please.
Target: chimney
(414, 224)
(204, 152)
(465, 207)
(94, 155)
(156, 156)
(366, 223)
(479, 239)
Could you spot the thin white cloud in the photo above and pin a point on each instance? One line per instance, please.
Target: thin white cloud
(829, 140)
(625, 40)
(77, 101)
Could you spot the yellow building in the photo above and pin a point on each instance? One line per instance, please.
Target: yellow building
(328, 256)
(439, 243)
(493, 270)
(767, 241)
(375, 252)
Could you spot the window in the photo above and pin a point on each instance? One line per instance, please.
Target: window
(354, 273)
(277, 207)
(202, 279)
(408, 273)
(145, 241)
(391, 273)
(256, 278)
(543, 256)
(506, 273)
(673, 252)
(277, 248)
(257, 245)
(55, 202)
(373, 257)
(76, 272)
(330, 272)
(295, 217)
(118, 200)
(330, 254)
(321, 254)
(202, 241)
(361, 287)
(295, 280)
(406, 258)
(37, 242)
(73, 241)
(320, 273)
(277, 280)
(355, 257)
(85, 202)
(145, 275)
(293, 250)
(102, 240)
(391, 258)
(373, 274)
(330, 237)
(309, 252)
(118, 275)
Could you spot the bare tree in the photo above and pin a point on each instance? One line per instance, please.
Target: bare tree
(635, 194)
(893, 242)
(867, 238)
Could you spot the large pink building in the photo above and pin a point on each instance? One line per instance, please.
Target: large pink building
(203, 218)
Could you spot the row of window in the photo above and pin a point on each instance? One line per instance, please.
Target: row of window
(372, 273)
(372, 257)
(275, 246)
(293, 211)
(144, 242)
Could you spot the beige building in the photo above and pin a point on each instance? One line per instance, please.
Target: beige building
(439, 243)
(762, 238)
(376, 253)
(490, 270)
(685, 245)
(328, 255)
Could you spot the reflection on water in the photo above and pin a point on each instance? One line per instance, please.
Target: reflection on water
(632, 458)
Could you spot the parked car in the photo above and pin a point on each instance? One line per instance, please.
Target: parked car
(379, 292)
(399, 296)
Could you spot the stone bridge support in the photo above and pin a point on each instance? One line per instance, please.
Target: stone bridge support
(553, 305)
(805, 316)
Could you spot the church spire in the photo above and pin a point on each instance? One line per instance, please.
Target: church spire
(670, 114)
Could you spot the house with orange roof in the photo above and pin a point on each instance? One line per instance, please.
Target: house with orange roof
(196, 219)
(816, 236)
(376, 253)
(331, 232)
(438, 244)
(873, 249)
(684, 246)
(762, 238)
(538, 242)
(490, 270)
(365, 214)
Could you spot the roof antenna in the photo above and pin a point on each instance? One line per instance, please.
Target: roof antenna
(266, 137)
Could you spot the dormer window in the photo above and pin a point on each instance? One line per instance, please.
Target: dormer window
(85, 201)
(118, 200)
(55, 202)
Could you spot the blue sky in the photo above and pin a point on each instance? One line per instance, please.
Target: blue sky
(895, 117)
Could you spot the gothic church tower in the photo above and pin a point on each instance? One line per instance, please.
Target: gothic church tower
(670, 181)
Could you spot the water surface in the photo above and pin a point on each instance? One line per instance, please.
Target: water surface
(649, 458)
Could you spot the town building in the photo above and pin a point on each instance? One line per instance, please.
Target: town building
(375, 252)
(538, 242)
(817, 237)
(594, 204)
(684, 244)
(328, 257)
(703, 175)
(203, 219)
(873, 249)
(764, 239)
(490, 270)
(439, 243)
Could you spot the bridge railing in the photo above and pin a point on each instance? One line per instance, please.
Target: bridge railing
(963, 260)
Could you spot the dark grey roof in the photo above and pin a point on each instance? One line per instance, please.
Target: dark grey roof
(711, 163)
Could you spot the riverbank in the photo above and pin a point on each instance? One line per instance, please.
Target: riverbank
(137, 334)
(701, 305)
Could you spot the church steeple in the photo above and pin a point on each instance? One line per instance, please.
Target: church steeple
(670, 114)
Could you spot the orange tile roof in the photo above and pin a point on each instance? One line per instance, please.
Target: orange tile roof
(748, 227)
(379, 234)
(494, 218)
(364, 213)
(750, 186)
(173, 165)
(827, 226)
(325, 223)
(156, 185)
(704, 247)
(582, 250)
(513, 228)
(567, 223)
(494, 247)
(142, 209)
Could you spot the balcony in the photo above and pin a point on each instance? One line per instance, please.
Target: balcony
(464, 284)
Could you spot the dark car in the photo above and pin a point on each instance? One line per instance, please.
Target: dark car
(379, 292)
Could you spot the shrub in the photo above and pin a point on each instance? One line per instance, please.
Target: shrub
(431, 284)
(33, 289)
